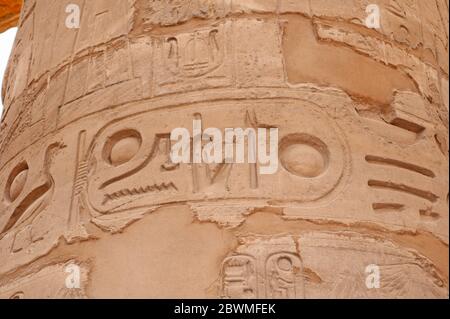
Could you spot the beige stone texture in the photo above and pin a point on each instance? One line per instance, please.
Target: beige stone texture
(362, 114)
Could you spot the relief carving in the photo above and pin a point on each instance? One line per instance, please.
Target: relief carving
(128, 148)
(265, 268)
(27, 195)
(48, 282)
(362, 152)
(182, 59)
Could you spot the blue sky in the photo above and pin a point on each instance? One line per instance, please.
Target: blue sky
(6, 42)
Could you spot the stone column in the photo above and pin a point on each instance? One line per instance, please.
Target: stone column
(357, 205)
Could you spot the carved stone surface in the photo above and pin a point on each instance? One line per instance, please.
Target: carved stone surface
(362, 116)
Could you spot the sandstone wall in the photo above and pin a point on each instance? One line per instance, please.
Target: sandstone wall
(85, 175)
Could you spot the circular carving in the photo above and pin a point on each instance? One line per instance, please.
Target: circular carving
(16, 182)
(314, 159)
(284, 263)
(18, 295)
(304, 155)
(122, 147)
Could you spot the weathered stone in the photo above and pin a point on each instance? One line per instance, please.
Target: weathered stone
(362, 178)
